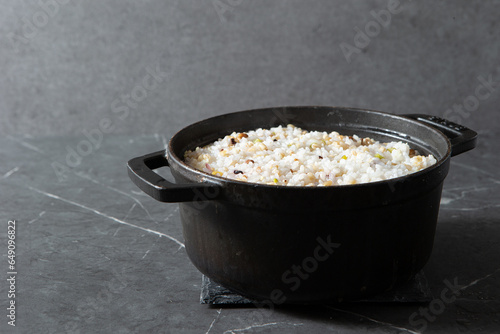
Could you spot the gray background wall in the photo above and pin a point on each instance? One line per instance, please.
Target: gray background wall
(62, 64)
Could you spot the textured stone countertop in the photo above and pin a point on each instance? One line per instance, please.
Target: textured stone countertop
(96, 255)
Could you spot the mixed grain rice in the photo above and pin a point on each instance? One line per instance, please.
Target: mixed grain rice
(295, 157)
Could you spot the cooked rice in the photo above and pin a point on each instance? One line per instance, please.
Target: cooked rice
(295, 157)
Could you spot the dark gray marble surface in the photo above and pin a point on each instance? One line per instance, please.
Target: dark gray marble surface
(96, 255)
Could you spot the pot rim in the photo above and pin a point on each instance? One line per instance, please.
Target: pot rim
(222, 181)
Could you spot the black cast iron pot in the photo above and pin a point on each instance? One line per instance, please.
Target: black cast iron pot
(307, 244)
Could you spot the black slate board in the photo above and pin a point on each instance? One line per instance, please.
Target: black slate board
(415, 291)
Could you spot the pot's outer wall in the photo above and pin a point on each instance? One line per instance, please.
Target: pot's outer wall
(368, 251)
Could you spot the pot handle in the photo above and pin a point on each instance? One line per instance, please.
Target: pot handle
(462, 139)
(140, 171)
